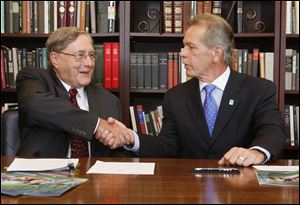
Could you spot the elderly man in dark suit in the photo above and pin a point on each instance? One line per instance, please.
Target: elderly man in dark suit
(219, 113)
(60, 112)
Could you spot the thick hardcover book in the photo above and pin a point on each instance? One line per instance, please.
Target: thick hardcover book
(199, 7)
(133, 70)
(163, 70)
(250, 62)
(15, 16)
(269, 65)
(111, 16)
(186, 13)
(262, 69)
(93, 16)
(141, 119)
(288, 68)
(102, 16)
(71, 18)
(140, 70)
(217, 7)
(147, 70)
(245, 61)
(255, 62)
(115, 64)
(168, 16)
(87, 17)
(207, 7)
(133, 119)
(178, 16)
(149, 124)
(170, 69)
(239, 16)
(107, 65)
(61, 14)
(154, 69)
(175, 68)
(98, 72)
(82, 15)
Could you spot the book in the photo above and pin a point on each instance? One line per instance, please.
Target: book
(277, 175)
(37, 183)
(278, 178)
(107, 48)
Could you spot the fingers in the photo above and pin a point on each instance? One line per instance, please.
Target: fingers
(113, 133)
(242, 157)
(111, 120)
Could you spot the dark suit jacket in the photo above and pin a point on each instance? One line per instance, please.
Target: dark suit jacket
(252, 120)
(47, 119)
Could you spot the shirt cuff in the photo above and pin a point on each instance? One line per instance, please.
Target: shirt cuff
(266, 152)
(97, 125)
(136, 146)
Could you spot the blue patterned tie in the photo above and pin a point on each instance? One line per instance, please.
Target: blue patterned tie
(210, 107)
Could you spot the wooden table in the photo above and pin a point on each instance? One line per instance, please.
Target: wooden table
(173, 182)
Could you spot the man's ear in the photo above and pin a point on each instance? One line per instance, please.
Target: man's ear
(54, 59)
(218, 54)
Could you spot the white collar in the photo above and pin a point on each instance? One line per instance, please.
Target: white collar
(220, 82)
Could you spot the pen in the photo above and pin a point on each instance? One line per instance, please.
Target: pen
(215, 170)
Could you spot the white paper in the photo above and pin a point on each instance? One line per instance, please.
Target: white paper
(142, 168)
(41, 164)
(277, 168)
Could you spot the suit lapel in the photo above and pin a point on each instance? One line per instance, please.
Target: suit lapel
(195, 109)
(60, 89)
(94, 104)
(229, 103)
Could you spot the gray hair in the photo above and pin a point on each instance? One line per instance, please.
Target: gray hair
(218, 32)
(61, 38)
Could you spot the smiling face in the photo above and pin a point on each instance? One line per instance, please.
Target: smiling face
(74, 73)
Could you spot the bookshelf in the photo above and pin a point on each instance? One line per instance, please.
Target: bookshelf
(272, 39)
(287, 96)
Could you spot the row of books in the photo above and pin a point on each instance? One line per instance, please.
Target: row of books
(156, 70)
(291, 69)
(177, 13)
(47, 16)
(14, 59)
(256, 64)
(107, 67)
(146, 123)
(292, 17)
(291, 124)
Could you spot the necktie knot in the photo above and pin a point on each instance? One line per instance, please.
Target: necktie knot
(73, 92)
(209, 88)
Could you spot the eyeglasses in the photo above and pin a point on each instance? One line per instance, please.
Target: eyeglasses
(80, 56)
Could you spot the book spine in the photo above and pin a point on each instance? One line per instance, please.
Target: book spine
(133, 70)
(115, 64)
(163, 70)
(154, 69)
(147, 70)
(168, 16)
(140, 70)
(107, 65)
(178, 16)
(170, 69)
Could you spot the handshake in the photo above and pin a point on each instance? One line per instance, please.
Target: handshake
(113, 133)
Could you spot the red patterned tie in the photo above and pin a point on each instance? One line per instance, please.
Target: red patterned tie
(79, 146)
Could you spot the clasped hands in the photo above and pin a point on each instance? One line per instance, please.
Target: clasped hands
(113, 133)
